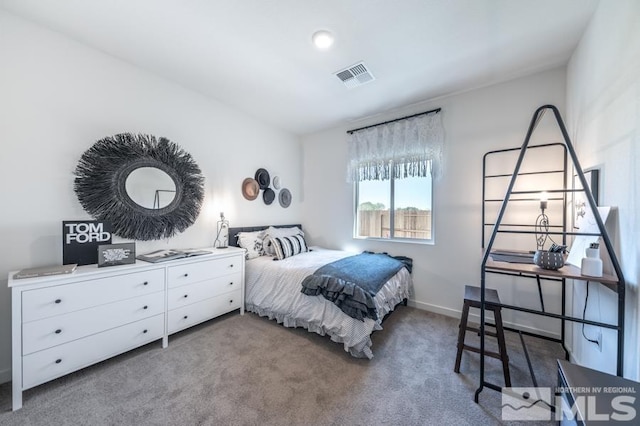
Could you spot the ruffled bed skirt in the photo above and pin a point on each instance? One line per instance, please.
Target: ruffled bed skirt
(361, 349)
(386, 301)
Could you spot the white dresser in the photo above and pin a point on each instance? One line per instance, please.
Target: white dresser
(63, 323)
(199, 290)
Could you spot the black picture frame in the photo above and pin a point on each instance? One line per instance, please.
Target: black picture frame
(116, 254)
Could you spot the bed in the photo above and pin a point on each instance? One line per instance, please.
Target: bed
(273, 290)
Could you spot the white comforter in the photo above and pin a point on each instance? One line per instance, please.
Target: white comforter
(273, 290)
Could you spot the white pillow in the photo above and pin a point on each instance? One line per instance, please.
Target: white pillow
(288, 246)
(272, 232)
(252, 242)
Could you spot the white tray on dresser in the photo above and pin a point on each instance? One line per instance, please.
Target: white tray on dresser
(62, 323)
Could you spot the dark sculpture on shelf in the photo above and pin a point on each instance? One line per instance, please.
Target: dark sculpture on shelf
(106, 186)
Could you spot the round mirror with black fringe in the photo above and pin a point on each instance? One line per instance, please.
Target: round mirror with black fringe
(105, 191)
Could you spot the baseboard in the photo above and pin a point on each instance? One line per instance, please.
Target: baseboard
(454, 313)
(435, 309)
(522, 327)
(5, 375)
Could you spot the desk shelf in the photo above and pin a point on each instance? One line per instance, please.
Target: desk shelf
(566, 272)
(555, 184)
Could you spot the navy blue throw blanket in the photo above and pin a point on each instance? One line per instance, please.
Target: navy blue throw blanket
(352, 282)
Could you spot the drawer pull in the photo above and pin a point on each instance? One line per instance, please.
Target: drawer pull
(231, 301)
(186, 316)
(58, 361)
(145, 307)
(186, 295)
(231, 283)
(145, 283)
(144, 331)
(58, 331)
(58, 300)
(231, 266)
(186, 275)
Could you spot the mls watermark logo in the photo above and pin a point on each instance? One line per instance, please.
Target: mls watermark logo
(595, 403)
(533, 403)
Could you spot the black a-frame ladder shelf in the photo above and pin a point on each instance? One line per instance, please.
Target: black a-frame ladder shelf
(559, 232)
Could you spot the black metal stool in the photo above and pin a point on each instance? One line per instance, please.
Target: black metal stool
(492, 303)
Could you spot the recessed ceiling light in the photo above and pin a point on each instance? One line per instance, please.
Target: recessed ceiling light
(322, 39)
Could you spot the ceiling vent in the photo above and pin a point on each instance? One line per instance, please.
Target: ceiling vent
(355, 75)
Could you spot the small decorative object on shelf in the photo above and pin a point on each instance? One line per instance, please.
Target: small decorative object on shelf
(592, 264)
(222, 235)
(552, 259)
(548, 260)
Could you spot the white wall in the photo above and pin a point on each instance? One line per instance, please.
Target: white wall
(603, 111)
(475, 122)
(58, 97)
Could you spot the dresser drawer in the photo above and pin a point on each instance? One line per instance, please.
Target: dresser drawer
(49, 332)
(199, 271)
(43, 366)
(61, 299)
(195, 313)
(188, 294)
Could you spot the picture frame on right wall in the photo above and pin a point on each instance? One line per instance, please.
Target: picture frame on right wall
(579, 205)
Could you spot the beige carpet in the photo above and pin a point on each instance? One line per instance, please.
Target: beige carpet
(247, 370)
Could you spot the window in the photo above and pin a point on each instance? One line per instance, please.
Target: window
(396, 208)
(392, 166)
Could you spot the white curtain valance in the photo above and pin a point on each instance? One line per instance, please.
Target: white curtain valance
(404, 148)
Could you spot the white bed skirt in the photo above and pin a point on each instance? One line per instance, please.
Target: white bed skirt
(273, 291)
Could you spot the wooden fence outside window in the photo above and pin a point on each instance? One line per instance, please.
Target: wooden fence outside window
(408, 224)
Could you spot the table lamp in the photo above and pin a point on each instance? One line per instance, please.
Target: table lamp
(542, 223)
(222, 235)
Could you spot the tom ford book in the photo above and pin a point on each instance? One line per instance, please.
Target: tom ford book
(81, 238)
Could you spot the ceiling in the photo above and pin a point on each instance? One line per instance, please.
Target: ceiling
(257, 55)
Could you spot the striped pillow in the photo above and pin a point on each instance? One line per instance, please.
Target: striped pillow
(288, 246)
(272, 232)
